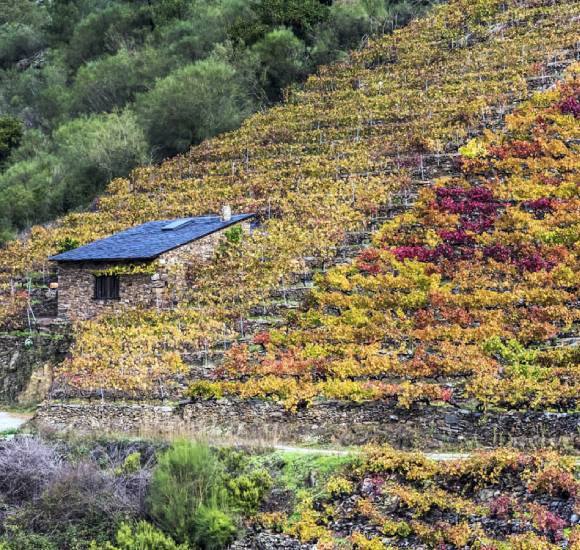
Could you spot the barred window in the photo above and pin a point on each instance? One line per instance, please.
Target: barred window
(107, 287)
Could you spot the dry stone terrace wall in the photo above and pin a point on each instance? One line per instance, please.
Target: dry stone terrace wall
(158, 289)
(43, 301)
(334, 423)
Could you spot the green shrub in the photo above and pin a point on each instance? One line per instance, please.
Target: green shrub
(131, 464)
(203, 389)
(66, 244)
(281, 57)
(188, 476)
(11, 131)
(143, 536)
(193, 103)
(247, 491)
(19, 540)
(234, 235)
(213, 528)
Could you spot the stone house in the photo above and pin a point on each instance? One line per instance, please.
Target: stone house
(139, 266)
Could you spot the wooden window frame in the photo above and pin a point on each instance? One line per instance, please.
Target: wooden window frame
(107, 287)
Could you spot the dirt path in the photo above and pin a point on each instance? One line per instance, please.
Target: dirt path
(439, 457)
(341, 452)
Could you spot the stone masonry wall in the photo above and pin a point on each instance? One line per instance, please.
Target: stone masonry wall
(334, 423)
(26, 370)
(76, 289)
(160, 289)
(44, 302)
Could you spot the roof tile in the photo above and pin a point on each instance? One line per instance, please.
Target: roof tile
(149, 240)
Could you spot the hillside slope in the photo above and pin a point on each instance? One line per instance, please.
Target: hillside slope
(470, 297)
(359, 135)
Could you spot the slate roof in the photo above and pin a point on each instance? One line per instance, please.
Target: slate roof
(148, 241)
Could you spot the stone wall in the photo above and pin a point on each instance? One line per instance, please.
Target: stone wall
(76, 290)
(159, 289)
(333, 423)
(44, 302)
(26, 367)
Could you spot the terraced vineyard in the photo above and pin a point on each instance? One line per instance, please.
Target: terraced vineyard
(470, 295)
(338, 158)
(499, 500)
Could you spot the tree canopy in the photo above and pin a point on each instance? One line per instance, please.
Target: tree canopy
(89, 89)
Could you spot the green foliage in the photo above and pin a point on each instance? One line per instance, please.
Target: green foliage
(281, 60)
(300, 15)
(103, 32)
(20, 540)
(247, 491)
(131, 464)
(234, 234)
(164, 11)
(67, 244)
(76, 533)
(23, 193)
(112, 81)
(87, 152)
(519, 360)
(187, 478)
(191, 104)
(511, 352)
(10, 135)
(142, 536)
(347, 22)
(300, 470)
(213, 528)
(188, 69)
(193, 38)
(204, 389)
(21, 35)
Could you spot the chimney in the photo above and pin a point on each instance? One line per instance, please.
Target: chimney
(226, 213)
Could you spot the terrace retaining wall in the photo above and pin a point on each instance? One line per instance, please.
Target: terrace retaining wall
(332, 423)
(26, 366)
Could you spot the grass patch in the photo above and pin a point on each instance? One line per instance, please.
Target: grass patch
(296, 471)
(9, 432)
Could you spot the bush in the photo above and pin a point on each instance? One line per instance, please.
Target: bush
(10, 135)
(113, 81)
(187, 478)
(18, 41)
(83, 493)
(300, 15)
(204, 389)
(247, 491)
(143, 536)
(282, 60)
(193, 103)
(66, 244)
(103, 31)
(26, 467)
(24, 196)
(19, 540)
(92, 150)
(194, 38)
(213, 528)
